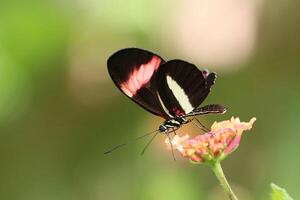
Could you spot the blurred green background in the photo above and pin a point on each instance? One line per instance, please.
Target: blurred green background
(59, 110)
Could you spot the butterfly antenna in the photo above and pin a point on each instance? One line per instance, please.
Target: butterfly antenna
(147, 145)
(135, 139)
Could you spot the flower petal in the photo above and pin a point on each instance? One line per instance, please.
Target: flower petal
(233, 144)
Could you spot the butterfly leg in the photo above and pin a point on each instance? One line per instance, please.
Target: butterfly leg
(173, 130)
(200, 125)
(170, 141)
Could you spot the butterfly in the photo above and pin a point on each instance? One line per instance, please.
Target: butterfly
(171, 89)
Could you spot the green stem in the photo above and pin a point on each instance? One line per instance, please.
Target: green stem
(222, 179)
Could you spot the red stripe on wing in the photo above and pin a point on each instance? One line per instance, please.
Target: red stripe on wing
(140, 76)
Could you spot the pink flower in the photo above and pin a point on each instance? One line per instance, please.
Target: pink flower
(222, 140)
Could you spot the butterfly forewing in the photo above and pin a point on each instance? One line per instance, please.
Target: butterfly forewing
(133, 71)
(182, 87)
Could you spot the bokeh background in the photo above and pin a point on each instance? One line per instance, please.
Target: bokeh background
(59, 110)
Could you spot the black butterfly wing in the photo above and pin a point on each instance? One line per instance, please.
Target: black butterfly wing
(182, 87)
(133, 71)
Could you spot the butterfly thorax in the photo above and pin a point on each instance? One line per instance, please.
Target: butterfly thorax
(174, 123)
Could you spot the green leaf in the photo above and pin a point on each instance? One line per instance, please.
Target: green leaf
(279, 193)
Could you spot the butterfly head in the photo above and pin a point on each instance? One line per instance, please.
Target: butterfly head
(163, 129)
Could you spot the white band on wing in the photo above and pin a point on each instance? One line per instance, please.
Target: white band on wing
(180, 95)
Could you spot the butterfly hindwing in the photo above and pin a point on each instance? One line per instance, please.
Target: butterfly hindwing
(182, 87)
(133, 71)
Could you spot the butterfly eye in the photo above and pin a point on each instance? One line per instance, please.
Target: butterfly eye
(162, 128)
